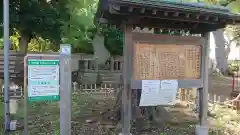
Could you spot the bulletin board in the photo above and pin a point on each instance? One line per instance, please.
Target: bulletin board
(166, 61)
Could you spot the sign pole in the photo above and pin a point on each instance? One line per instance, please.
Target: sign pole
(6, 64)
(65, 90)
(25, 97)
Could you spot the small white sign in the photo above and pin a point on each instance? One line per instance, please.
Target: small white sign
(168, 92)
(156, 92)
(66, 49)
(13, 125)
(150, 93)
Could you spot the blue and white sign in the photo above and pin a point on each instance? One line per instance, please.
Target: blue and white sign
(65, 49)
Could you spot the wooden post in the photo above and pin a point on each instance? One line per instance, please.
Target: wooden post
(96, 66)
(202, 128)
(126, 93)
(205, 80)
(86, 65)
(1, 85)
(112, 64)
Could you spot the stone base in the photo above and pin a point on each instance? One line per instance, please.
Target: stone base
(201, 130)
(124, 134)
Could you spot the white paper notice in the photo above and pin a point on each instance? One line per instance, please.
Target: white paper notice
(150, 93)
(168, 92)
(156, 92)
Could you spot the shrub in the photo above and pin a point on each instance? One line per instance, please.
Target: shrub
(233, 68)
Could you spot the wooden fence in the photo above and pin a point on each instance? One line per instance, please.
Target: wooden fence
(187, 96)
(15, 64)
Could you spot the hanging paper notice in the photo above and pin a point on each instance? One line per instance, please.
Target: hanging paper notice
(168, 92)
(156, 92)
(150, 93)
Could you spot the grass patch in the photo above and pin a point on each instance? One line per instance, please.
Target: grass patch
(1, 109)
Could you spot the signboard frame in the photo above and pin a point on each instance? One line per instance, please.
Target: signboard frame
(158, 39)
(38, 64)
(65, 87)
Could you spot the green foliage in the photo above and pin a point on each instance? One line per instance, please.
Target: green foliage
(37, 18)
(234, 5)
(78, 30)
(47, 23)
(1, 43)
(38, 44)
(233, 67)
(14, 42)
(1, 108)
(114, 41)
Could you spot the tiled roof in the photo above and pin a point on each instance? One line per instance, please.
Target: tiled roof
(191, 6)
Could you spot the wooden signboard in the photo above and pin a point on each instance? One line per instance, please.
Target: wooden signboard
(158, 62)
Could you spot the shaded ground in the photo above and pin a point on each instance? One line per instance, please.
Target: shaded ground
(93, 116)
(220, 86)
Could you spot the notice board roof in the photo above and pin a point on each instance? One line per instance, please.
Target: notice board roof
(196, 17)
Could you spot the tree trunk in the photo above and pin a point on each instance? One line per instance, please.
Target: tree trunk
(24, 39)
(137, 111)
(221, 52)
(100, 52)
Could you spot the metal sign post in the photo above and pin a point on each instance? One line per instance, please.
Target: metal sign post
(6, 64)
(65, 90)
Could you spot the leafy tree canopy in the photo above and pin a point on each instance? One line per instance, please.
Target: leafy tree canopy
(32, 18)
(71, 21)
(79, 29)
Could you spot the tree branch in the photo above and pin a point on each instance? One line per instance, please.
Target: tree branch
(235, 38)
(226, 3)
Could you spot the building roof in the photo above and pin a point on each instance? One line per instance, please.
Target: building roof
(196, 17)
(193, 6)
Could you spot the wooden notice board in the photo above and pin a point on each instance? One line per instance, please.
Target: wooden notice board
(158, 62)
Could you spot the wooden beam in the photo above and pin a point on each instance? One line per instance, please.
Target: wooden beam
(234, 22)
(115, 7)
(156, 30)
(149, 28)
(197, 17)
(195, 26)
(165, 13)
(142, 10)
(130, 9)
(134, 27)
(206, 18)
(176, 14)
(154, 11)
(141, 27)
